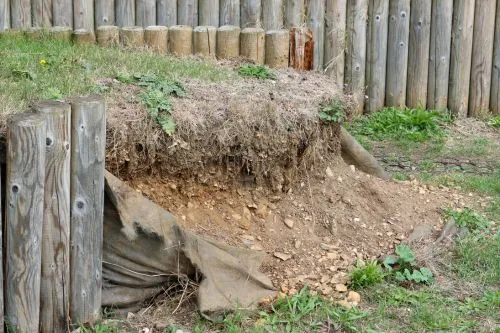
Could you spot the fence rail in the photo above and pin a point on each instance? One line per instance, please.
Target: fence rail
(427, 53)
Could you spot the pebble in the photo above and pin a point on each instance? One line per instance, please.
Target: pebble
(353, 297)
(282, 256)
(289, 223)
(341, 288)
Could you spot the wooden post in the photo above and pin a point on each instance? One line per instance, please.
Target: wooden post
(62, 13)
(41, 13)
(482, 57)
(20, 14)
(2, 224)
(125, 13)
(4, 15)
(208, 13)
(132, 37)
(187, 12)
(295, 13)
(229, 12)
(461, 53)
(277, 48)
(60, 33)
(250, 13)
(104, 12)
(205, 41)
(83, 14)
(228, 42)
(108, 35)
(54, 290)
(355, 64)
(439, 59)
(83, 37)
(156, 39)
(397, 52)
(495, 76)
(335, 24)
(166, 12)
(252, 44)
(34, 33)
(26, 137)
(418, 55)
(145, 13)
(376, 54)
(88, 141)
(301, 49)
(180, 38)
(316, 22)
(272, 14)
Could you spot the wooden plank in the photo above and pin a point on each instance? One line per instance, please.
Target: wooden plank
(376, 54)
(4, 14)
(397, 52)
(104, 12)
(495, 76)
(355, 64)
(250, 13)
(272, 14)
(166, 12)
(24, 221)
(295, 13)
(41, 13)
(83, 14)
(461, 53)
(208, 13)
(439, 55)
(335, 25)
(88, 140)
(20, 14)
(482, 58)
(229, 12)
(62, 11)
(145, 13)
(316, 22)
(187, 12)
(54, 291)
(418, 56)
(125, 13)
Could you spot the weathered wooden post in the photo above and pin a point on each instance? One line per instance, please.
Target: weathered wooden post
(355, 63)
(108, 35)
(83, 14)
(187, 12)
(83, 36)
(4, 15)
(125, 13)
(132, 37)
(180, 40)
(335, 25)
(376, 54)
(54, 291)
(495, 76)
(34, 33)
(250, 13)
(20, 14)
(60, 33)
(228, 42)
(88, 141)
(41, 13)
(145, 13)
(482, 57)
(229, 12)
(252, 44)
(316, 22)
(301, 49)
(208, 13)
(62, 13)
(156, 39)
(294, 13)
(26, 140)
(277, 48)
(104, 12)
(461, 53)
(272, 14)
(205, 41)
(166, 12)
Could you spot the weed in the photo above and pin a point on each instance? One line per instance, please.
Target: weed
(332, 111)
(468, 218)
(494, 122)
(400, 176)
(257, 71)
(366, 274)
(487, 184)
(54, 94)
(403, 266)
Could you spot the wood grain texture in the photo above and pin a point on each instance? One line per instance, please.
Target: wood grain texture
(335, 26)
(145, 13)
(301, 49)
(83, 36)
(482, 57)
(156, 39)
(132, 37)
(166, 12)
(229, 12)
(495, 76)
(4, 14)
(228, 42)
(439, 55)
(205, 41)
(62, 13)
(252, 44)
(250, 13)
(41, 13)
(88, 138)
(54, 291)
(355, 63)
(316, 22)
(187, 12)
(418, 56)
(295, 14)
(180, 40)
(397, 52)
(107, 35)
(125, 13)
(277, 48)
(24, 220)
(376, 54)
(83, 14)
(20, 14)
(461, 53)
(208, 13)
(104, 12)
(272, 14)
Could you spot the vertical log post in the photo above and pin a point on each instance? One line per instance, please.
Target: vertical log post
(482, 57)
(461, 53)
(132, 37)
(20, 14)
(41, 13)
(125, 13)
(229, 12)
(83, 37)
(108, 35)
(26, 137)
(83, 14)
(4, 14)
(166, 12)
(104, 12)
(335, 24)
(187, 12)
(208, 13)
(355, 65)
(145, 13)
(205, 41)
(316, 22)
(156, 39)
(54, 291)
(301, 49)
(88, 140)
(495, 76)
(180, 38)
(250, 13)
(62, 13)
(277, 48)
(60, 33)
(376, 54)
(272, 14)
(228, 42)
(294, 13)
(252, 44)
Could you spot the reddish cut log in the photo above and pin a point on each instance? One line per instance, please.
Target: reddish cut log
(301, 49)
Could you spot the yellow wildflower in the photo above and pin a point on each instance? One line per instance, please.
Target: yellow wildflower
(43, 62)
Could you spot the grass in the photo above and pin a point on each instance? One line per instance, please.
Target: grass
(488, 184)
(256, 71)
(366, 274)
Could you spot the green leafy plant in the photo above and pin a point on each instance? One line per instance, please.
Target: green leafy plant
(257, 71)
(468, 218)
(403, 266)
(366, 274)
(159, 108)
(332, 111)
(422, 275)
(494, 122)
(54, 94)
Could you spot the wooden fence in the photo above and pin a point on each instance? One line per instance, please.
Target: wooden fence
(427, 53)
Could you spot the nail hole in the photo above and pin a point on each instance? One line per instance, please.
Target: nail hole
(79, 204)
(403, 14)
(15, 188)
(67, 146)
(48, 142)
(377, 17)
(401, 44)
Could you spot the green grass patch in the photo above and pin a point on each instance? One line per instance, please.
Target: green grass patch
(494, 122)
(366, 274)
(488, 184)
(256, 71)
(468, 218)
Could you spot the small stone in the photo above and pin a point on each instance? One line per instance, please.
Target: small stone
(341, 288)
(275, 199)
(297, 244)
(339, 179)
(353, 168)
(282, 256)
(326, 247)
(248, 237)
(353, 297)
(289, 223)
(256, 247)
(332, 256)
(173, 186)
(252, 206)
(329, 172)
(344, 304)
(236, 217)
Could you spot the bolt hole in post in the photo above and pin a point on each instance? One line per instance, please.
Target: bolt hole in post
(48, 142)
(15, 189)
